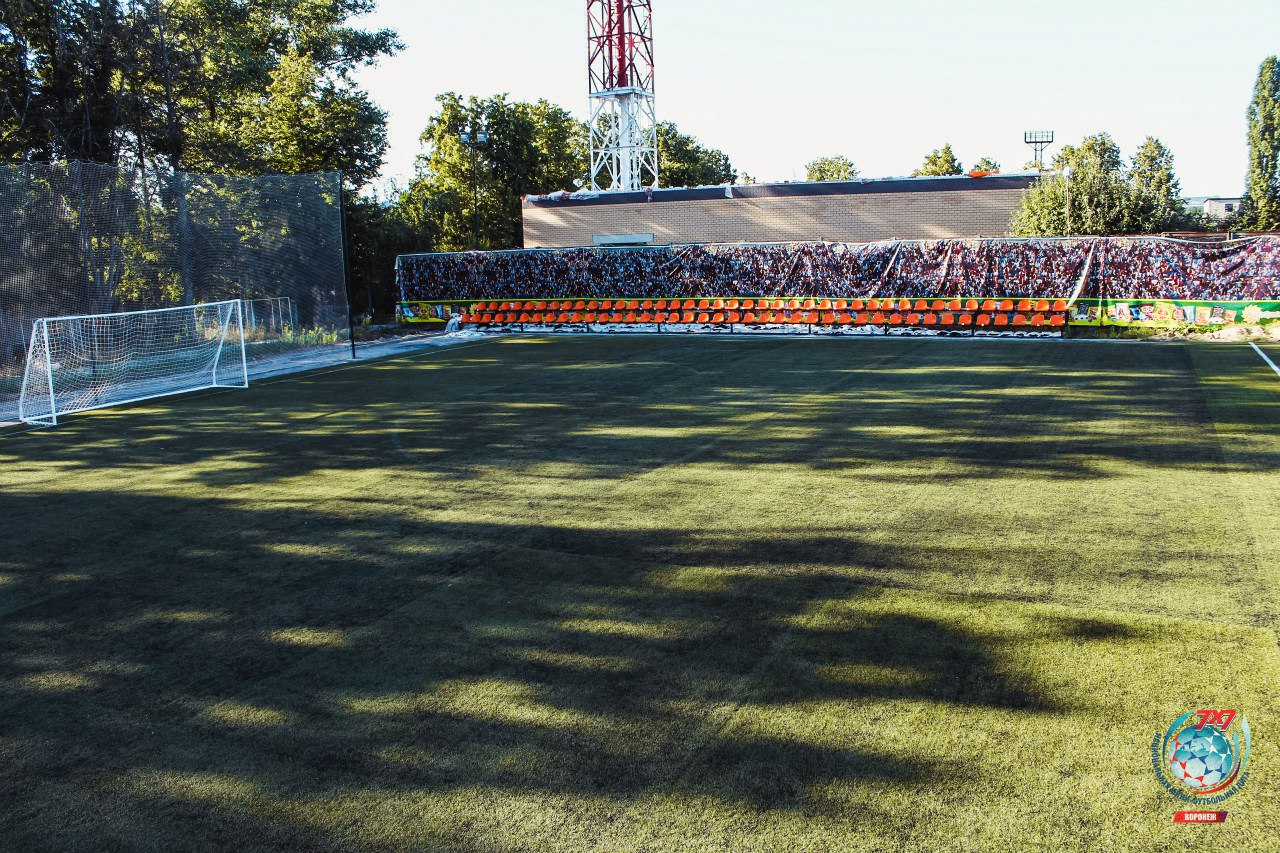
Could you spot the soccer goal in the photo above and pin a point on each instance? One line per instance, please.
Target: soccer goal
(75, 364)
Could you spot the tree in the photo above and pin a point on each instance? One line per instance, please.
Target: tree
(1155, 194)
(836, 168)
(940, 162)
(531, 149)
(1261, 207)
(59, 93)
(230, 86)
(986, 164)
(684, 162)
(1102, 196)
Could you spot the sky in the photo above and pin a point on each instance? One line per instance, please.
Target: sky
(777, 84)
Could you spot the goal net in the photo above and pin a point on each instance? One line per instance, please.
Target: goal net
(75, 364)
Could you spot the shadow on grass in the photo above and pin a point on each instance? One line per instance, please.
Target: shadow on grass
(617, 408)
(211, 680)
(188, 665)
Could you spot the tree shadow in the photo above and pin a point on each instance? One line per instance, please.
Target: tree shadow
(210, 638)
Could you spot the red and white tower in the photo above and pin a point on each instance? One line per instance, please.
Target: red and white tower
(624, 125)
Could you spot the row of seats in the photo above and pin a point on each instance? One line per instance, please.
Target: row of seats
(749, 318)
(886, 312)
(1022, 306)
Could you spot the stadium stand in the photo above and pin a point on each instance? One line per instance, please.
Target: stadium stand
(1003, 269)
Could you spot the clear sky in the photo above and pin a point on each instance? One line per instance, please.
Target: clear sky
(775, 83)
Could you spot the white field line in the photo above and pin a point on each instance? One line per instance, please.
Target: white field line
(1269, 362)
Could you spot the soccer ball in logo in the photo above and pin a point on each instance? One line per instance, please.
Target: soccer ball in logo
(1201, 758)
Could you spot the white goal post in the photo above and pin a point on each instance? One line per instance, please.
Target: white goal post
(75, 364)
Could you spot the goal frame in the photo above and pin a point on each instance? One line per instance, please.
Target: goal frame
(40, 338)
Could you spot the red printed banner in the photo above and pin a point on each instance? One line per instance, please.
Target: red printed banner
(1200, 817)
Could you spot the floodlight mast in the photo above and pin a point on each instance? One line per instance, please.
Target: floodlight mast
(1039, 140)
(623, 123)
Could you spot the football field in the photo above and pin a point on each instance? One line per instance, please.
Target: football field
(648, 594)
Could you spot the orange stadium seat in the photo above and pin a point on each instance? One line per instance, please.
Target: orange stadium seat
(1060, 305)
(1042, 306)
(1002, 319)
(1019, 319)
(1057, 321)
(931, 319)
(1024, 305)
(965, 319)
(947, 319)
(1006, 305)
(984, 320)
(988, 305)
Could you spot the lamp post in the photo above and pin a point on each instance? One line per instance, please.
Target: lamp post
(1068, 172)
(473, 139)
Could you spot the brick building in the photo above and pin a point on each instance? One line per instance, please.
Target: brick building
(840, 211)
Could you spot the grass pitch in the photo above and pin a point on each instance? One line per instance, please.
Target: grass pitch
(647, 594)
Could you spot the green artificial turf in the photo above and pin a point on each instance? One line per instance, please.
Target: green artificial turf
(647, 594)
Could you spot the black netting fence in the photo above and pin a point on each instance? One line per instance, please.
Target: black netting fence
(88, 238)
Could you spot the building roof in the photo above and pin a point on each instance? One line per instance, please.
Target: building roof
(869, 186)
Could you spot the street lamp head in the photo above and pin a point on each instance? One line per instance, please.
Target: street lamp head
(1069, 172)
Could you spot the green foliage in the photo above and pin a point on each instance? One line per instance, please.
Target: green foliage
(469, 196)
(532, 149)
(836, 168)
(940, 163)
(60, 93)
(1155, 195)
(377, 232)
(219, 86)
(684, 162)
(1261, 208)
(986, 164)
(1103, 196)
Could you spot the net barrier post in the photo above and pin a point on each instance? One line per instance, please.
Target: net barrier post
(346, 265)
